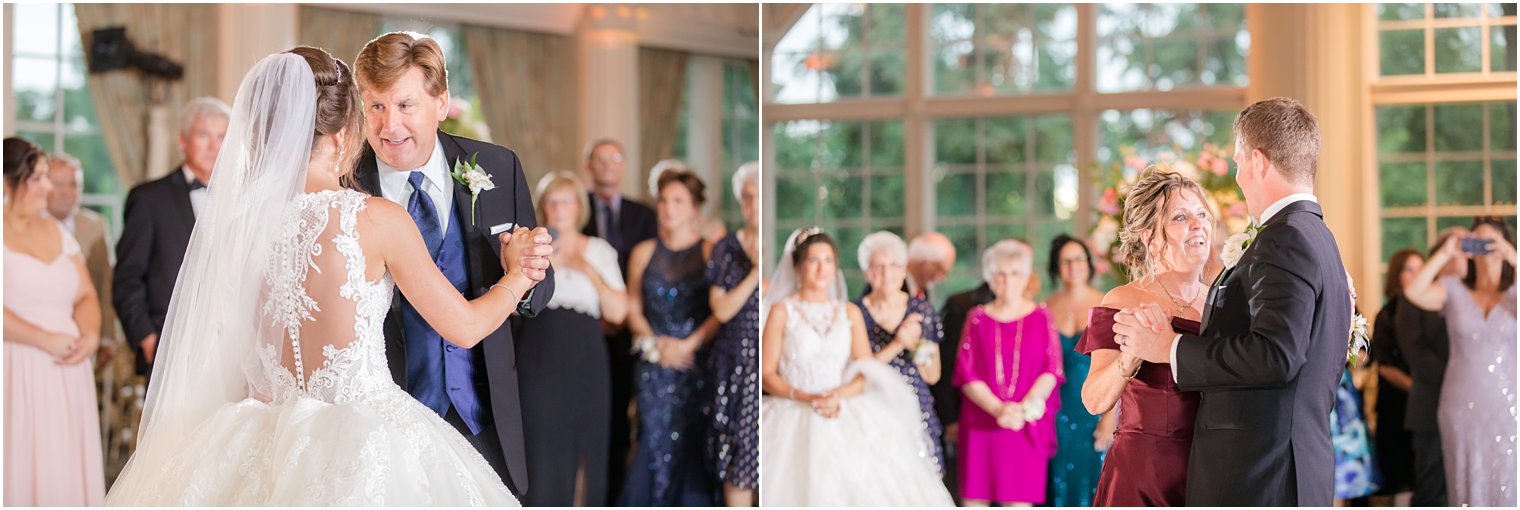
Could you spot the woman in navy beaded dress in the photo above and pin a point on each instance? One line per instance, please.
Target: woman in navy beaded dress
(1082, 438)
(671, 320)
(904, 330)
(734, 446)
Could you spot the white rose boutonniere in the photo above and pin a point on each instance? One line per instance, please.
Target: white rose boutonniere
(1235, 247)
(472, 176)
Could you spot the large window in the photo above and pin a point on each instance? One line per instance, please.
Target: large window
(741, 132)
(53, 104)
(1431, 39)
(845, 175)
(1441, 164)
(1442, 158)
(987, 49)
(841, 50)
(996, 178)
(1005, 132)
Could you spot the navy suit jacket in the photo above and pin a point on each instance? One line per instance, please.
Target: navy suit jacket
(509, 202)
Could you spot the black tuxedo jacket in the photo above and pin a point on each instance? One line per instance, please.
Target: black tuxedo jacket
(158, 222)
(509, 202)
(636, 222)
(1271, 353)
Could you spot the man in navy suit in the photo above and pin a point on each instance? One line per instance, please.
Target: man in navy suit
(408, 160)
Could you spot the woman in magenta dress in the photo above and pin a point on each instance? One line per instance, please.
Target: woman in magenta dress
(1166, 242)
(1008, 368)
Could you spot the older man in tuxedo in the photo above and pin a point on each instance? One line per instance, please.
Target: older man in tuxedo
(160, 214)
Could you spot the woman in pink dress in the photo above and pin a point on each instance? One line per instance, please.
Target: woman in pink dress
(52, 320)
(1008, 368)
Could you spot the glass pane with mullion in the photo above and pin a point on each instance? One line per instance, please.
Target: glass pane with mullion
(955, 194)
(1502, 173)
(1458, 50)
(1502, 48)
(1459, 183)
(1401, 52)
(1401, 233)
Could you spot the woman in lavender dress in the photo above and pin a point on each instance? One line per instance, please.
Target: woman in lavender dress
(1008, 368)
(1476, 412)
(897, 325)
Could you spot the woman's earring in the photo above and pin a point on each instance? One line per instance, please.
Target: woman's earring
(338, 165)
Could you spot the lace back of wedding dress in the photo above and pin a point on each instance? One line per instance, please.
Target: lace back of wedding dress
(322, 315)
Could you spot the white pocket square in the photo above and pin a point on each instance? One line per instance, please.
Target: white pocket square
(504, 227)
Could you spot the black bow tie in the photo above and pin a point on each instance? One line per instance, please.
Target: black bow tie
(196, 184)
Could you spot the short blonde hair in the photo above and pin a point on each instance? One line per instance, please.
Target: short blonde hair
(563, 181)
(1144, 209)
(384, 59)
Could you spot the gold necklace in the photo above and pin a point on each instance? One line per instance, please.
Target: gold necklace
(997, 357)
(1180, 305)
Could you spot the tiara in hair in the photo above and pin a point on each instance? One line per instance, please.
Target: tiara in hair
(805, 234)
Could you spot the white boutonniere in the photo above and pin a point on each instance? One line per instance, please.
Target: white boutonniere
(1359, 341)
(473, 177)
(1235, 247)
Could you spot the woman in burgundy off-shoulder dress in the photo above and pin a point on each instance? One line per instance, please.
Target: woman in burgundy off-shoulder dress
(1147, 464)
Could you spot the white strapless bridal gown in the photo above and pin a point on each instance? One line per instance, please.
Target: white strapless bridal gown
(334, 429)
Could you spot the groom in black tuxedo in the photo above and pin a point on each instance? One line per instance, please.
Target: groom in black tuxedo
(1275, 332)
(407, 159)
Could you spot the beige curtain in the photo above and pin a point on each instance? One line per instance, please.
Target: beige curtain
(526, 83)
(186, 34)
(662, 80)
(341, 33)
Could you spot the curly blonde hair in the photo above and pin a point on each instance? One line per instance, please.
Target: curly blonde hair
(1144, 208)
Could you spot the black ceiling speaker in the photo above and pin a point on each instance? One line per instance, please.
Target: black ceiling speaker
(110, 49)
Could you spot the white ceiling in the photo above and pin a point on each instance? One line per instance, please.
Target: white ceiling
(729, 30)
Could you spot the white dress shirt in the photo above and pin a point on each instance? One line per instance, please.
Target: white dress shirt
(436, 181)
(197, 196)
(1266, 216)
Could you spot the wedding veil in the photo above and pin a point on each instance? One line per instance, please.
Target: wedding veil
(214, 321)
(784, 282)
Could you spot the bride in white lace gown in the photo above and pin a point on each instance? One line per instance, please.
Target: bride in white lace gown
(837, 432)
(272, 386)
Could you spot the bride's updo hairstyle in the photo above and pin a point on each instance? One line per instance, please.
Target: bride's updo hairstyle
(338, 105)
(1144, 210)
(806, 240)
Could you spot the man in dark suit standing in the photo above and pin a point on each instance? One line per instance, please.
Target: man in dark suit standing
(159, 216)
(408, 160)
(623, 223)
(1275, 331)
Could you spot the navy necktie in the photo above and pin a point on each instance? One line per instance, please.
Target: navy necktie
(420, 206)
(196, 184)
(613, 233)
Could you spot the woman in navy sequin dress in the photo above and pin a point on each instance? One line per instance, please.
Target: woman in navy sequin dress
(1082, 437)
(734, 448)
(898, 327)
(672, 323)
